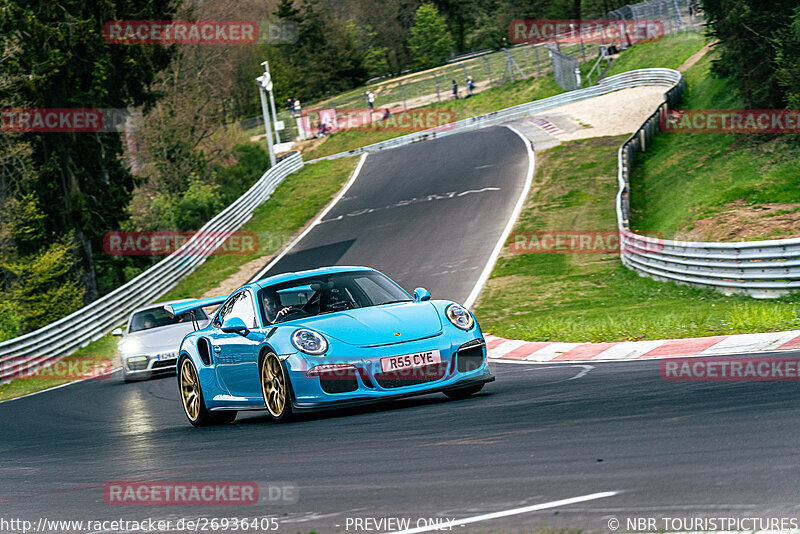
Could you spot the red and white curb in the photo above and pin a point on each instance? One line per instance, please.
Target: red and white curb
(500, 349)
(548, 127)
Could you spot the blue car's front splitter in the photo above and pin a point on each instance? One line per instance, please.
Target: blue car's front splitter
(358, 401)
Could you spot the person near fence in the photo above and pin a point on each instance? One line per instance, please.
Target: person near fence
(455, 90)
(370, 100)
(470, 86)
(298, 110)
(290, 106)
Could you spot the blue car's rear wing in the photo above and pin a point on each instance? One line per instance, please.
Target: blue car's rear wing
(179, 308)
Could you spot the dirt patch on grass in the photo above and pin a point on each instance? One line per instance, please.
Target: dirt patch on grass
(689, 63)
(617, 113)
(740, 222)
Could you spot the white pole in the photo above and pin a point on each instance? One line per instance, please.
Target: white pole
(272, 104)
(267, 124)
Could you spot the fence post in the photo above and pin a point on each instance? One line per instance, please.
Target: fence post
(436, 81)
(488, 70)
(403, 92)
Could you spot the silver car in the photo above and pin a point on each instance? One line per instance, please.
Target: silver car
(150, 343)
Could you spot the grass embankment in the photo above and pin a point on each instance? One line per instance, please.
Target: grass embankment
(670, 52)
(293, 204)
(495, 99)
(592, 297)
(88, 361)
(732, 186)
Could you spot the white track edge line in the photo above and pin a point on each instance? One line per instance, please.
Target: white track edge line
(98, 377)
(487, 270)
(506, 513)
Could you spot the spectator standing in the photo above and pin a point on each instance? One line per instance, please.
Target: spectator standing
(297, 109)
(290, 106)
(470, 86)
(455, 90)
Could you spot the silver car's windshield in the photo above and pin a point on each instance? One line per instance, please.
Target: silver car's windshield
(318, 295)
(158, 317)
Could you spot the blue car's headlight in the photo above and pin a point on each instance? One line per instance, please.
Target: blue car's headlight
(460, 317)
(309, 342)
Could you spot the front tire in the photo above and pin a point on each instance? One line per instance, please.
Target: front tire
(275, 388)
(463, 393)
(194, 406)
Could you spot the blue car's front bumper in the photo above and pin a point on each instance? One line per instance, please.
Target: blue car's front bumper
(463, 364)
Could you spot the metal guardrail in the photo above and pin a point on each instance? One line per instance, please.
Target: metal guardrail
(91, 322)
(762, 269)
(636, 78)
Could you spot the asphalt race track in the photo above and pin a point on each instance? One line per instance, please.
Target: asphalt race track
(427, 214)
(540, 433)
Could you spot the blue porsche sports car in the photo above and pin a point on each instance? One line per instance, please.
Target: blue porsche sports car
(325, 338)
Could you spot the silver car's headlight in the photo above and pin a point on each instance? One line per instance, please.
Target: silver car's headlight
(309, 342)
(130, 346)
(460, 317)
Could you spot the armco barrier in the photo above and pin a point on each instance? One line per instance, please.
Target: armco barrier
(95, 320)
(762, 269)
(635, 78)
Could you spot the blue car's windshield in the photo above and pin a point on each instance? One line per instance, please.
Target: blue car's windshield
(317, 295)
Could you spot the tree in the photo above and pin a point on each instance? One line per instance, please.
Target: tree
(79, 179)
(759, 48)
(39, 282)
(430, 41)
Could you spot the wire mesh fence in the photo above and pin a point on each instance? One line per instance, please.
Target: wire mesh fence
(560, 57)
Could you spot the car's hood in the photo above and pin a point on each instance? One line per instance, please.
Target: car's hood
(380, 325)
(164, 338)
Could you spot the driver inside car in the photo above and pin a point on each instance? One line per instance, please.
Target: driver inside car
(273, 308)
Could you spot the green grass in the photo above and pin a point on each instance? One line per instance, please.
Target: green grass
(711, 170)
(101, 351)
(508, 95)
(294, 203)
(669, 52)
(592, 297)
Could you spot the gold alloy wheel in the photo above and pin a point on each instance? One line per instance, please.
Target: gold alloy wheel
(273, 385)
(190, 390)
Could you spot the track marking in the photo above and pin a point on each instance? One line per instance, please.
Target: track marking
(506, 513)
(487, 270)
(316, 222)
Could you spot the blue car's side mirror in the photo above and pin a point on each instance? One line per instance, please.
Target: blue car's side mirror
(421, 294)
(234, 325)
